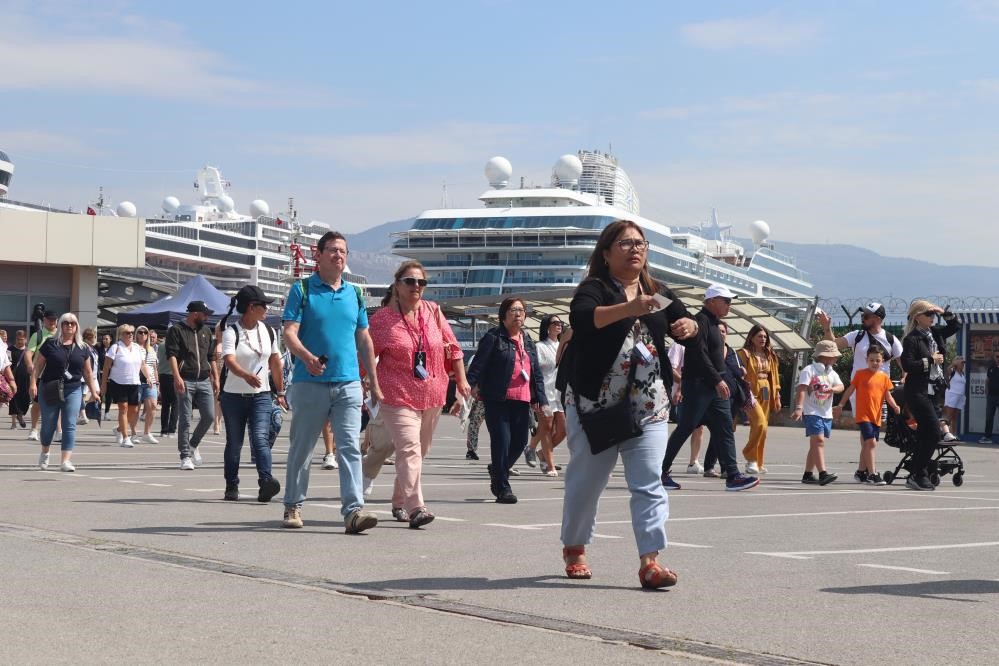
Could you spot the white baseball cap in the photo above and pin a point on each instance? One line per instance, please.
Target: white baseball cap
(716, 290)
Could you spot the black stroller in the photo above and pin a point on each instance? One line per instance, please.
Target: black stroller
(901, 436)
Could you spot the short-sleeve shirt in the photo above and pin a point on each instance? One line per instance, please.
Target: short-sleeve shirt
(870, 388)
(59, 358)
(253, 354)
(821, 379)
(327, 326)
(547, 353)
(860, 353)
(38, 338)
(126, 363)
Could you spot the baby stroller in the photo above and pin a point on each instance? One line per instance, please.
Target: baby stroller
(900, 435)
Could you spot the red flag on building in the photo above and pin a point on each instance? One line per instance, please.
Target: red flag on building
(91, 211)
(279, 221)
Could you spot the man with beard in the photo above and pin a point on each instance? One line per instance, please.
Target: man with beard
(191, 353)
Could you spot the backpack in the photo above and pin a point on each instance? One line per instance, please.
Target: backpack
(863, 332)
(224, 373)
(304, 284)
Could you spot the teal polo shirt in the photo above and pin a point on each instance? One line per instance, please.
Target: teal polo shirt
(327, 325)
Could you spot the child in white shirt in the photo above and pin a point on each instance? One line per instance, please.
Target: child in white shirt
(817, 384)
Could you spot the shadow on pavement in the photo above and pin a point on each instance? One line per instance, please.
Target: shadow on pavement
(929, 590)
(554, 581)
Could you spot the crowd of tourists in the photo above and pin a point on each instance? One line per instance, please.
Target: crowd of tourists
(605, 381)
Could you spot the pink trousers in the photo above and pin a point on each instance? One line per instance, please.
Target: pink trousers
(412, 432)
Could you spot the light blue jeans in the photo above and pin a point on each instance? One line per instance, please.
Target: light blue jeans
(69, 411)
(586, 477)
(312, 404)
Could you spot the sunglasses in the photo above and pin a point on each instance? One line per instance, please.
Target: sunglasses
(257, 304)
(69, 323)
(412, 281)
(128, 333)
(556, 323)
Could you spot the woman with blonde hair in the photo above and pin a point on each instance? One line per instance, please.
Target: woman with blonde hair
(763, 374)
(923, 350)
(124, 363)
(62, 362)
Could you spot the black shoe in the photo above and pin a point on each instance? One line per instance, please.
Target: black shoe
(506, 498)
(919, 483)
(808, 477)
(268, 489)
(471, 455)
(231, 492)
(825, 478)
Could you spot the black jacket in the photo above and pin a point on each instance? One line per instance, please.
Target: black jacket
(916, 356)
(492, 367)
(193, 349)
(593, 350)
(704, 359)
(992, 379)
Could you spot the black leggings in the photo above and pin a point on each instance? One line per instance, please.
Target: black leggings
(920, 405)
(168, 405)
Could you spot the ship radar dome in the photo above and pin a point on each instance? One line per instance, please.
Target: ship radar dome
(226, 204)
(259, 208)
(171, 204)
(568, 169)
(498, 172)
(125, 209)
(760, 231)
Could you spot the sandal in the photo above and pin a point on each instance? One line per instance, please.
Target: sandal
(577, 570)
(400, 514)
(420, 517)
(552, 473)
(654, 576)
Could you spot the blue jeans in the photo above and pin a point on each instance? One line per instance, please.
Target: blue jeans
(587, 474)
(702, 405)
(69, 411)
(199, 393)
(508, 422)
(314, 403)
(238, 412)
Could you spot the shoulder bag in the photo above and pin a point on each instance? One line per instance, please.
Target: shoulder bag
(611, 425)
(54, 392)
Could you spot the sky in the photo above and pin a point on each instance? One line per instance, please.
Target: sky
(840, 121)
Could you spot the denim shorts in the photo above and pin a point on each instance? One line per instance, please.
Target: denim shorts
(147, 392)
(869, 430)
(816, 425)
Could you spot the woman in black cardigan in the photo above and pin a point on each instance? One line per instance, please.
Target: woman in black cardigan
(923, 360)
(619, 321)
(506, 376)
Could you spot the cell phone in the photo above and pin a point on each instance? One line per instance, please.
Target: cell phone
(323, 358)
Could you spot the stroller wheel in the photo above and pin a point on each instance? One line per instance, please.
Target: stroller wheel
(888, 477)
(959, 479)
(935, 479)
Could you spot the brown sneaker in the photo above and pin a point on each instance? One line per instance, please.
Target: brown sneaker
(292, 517)
(360, 520)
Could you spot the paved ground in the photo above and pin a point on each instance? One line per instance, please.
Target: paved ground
(130, 559)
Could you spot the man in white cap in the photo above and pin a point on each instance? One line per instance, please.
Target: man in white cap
(706, 394)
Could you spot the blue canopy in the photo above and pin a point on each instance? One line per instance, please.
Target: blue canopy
(171, 309)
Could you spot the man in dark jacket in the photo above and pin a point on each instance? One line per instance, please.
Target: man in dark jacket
(191, 353)
(706, 394)
(991, 398)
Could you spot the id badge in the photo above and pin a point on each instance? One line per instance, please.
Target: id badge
(523, 374)
(67, 374)
(420, 365)
(642, 353)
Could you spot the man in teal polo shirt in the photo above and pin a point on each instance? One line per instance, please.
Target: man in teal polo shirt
(326, 328)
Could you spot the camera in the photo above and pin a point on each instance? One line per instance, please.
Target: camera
(38, 311)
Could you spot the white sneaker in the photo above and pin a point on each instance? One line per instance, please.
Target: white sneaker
(196, 457)
(67, 466)
(950, 437)
(33, 435)
(751, 468)
(186, 463)
(126, 443)
(43, 461)
(369, 486)
(83, 420)
(119, 437)
(329, 461)
(763, 470)
(695, 468)
(57, 437)
(148, 439)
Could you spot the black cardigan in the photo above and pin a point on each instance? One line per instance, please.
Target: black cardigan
(916, 356)
(594, 350)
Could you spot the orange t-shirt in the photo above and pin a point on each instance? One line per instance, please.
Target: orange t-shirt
(871, 389)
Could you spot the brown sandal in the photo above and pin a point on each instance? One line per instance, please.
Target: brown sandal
(654, 576)
(577, 570)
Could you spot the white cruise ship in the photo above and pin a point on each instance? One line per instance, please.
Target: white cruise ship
(534, 238)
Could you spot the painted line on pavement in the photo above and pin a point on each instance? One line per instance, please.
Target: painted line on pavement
(908, 569)
(809, 554)
(606, 536)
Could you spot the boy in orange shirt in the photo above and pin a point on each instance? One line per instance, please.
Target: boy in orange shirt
(873, 387)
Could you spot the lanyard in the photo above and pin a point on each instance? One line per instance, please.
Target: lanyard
(260, 341)
(418, 335)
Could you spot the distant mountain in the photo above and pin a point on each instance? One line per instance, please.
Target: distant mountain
(371, 251)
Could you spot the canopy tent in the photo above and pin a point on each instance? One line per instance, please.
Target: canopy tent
(171, 309)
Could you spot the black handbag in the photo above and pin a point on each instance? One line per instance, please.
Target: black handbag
(610, 425)
(54, 392)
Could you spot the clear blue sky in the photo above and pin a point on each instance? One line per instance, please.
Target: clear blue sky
(872, 123)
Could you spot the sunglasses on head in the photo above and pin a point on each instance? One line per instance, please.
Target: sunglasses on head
(412, 281)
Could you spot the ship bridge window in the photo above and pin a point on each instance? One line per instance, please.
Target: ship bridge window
(227, 239)
(222, 255)
(270, 262)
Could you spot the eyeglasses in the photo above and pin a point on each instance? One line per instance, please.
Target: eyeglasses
(517, 310)
(336, 250)
(412, 281)
(629, 244)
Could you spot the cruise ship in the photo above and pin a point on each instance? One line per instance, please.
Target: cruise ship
(527, 239)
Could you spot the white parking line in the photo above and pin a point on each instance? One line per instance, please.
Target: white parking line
(606, 536)
(909, 569)
(809, 554)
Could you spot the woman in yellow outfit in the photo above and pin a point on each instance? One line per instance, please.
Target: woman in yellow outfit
(763, 375)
